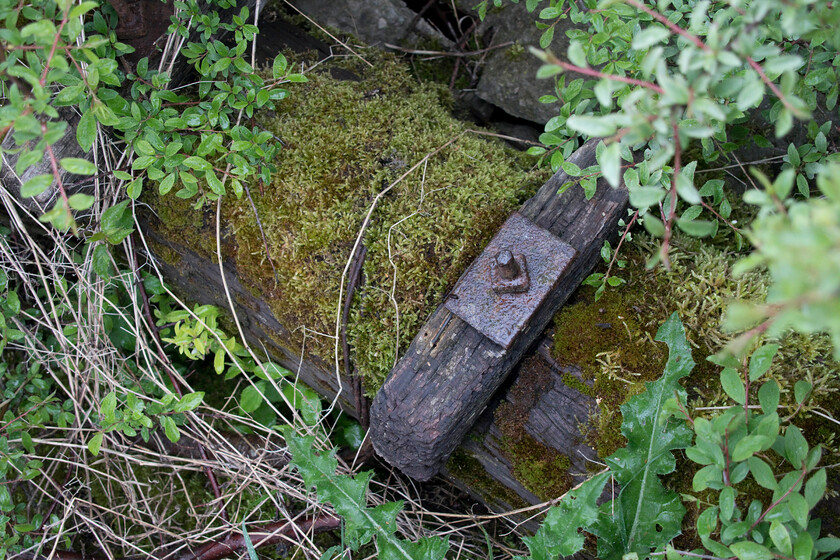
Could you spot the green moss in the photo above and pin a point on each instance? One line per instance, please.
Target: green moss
(544, 471)
(343, 145)
(471, 472)
(611, 340)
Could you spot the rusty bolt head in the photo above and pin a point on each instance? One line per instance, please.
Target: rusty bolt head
(506, 265)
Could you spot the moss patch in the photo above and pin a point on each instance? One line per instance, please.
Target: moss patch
(471, 472)
(344, 143)
(541, 469)
(612, 341)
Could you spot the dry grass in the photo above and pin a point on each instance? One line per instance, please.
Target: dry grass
(155, 500)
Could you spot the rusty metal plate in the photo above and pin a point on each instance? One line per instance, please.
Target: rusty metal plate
(502, 316)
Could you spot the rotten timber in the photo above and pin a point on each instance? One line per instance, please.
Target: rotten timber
(435, 394)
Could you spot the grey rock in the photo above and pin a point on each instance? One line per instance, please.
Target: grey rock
(508, 79)
(373, 21)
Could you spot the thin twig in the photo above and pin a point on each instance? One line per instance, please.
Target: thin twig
(360, 401)
(447, 53)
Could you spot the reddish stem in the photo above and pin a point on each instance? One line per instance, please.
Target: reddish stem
(670, 25)
(781, 498)
(43, 80)
(57, 174)
(595, 74)
(669, 218)
(757, 67)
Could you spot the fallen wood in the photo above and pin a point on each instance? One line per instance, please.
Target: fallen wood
(435, 394)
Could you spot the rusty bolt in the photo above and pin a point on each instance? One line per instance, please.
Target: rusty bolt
(506, 265)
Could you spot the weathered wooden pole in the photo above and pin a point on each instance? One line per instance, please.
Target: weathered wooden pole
(475, 338)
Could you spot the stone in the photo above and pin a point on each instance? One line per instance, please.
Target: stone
(374, 21)
(508, 79)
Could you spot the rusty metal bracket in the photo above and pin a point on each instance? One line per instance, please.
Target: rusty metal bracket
(509, 280)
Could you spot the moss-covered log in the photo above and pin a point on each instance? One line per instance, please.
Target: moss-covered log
(433, 396)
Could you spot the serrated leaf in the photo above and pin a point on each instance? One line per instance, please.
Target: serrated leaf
(647, 515)
(558, 535)
(347, 495)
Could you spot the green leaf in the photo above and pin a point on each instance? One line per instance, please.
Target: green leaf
(748, 550)
(82, 9)
(803, 546)
(796, 448)
(94, 444)
(108, 407)
(815, 488)
(643, 197)
(78, 166)
(797, 507)
(252, 397)
(801, 390)
(278, 69)
(727, 502)
(134, 188)
(558, 534)
(36, 185)
(649, 37)
(546, 37)
(654, 226)
(101, 261)
(748, 446)
(189, 402)
(592, 126)
(117, 222)
(80, 201)
(347, 495)
(697, 228)
(781, 538)
(647, 515)
(170, 429)
(610, 161)
(762, 473)
(197, 163)
(249, 546)
(732, 383)
(768, 397)
(167, 184)
(761, 359)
